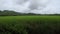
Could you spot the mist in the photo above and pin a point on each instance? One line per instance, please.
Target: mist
(31, 6)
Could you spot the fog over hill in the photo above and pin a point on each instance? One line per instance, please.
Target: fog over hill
(32, 6)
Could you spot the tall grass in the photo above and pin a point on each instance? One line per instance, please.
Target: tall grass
(30, 25)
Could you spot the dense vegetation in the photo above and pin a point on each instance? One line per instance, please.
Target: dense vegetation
(30, 25)
(12, 22)
(13, 13)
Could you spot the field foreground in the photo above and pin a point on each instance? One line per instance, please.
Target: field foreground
(30, 25)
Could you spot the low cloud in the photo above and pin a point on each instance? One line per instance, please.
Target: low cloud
(34, 6)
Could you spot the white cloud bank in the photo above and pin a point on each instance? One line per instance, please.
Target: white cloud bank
(34, 6)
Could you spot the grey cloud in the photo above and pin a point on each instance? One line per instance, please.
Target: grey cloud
(20, 1)
(34, 6)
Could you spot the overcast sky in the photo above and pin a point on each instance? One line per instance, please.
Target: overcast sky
(33, 6)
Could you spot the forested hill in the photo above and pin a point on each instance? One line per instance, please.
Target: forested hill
(8, 13)
(13, 13)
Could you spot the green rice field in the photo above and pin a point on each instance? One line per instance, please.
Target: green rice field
(29, 24)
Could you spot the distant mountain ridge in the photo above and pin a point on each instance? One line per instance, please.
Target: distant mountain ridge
(13, 13)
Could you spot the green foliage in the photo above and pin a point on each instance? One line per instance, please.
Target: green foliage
(14, 13)
(8, 13)
(30, 25)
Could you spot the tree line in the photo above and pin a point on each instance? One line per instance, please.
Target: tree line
(14, 13)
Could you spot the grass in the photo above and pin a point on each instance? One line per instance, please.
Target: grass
(30, 25)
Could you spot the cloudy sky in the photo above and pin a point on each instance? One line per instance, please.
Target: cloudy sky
(33, 6)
